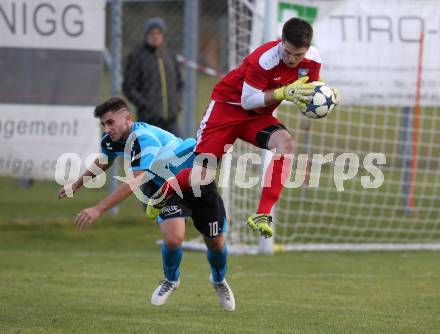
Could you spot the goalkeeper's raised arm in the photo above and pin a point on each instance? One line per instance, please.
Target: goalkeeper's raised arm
(298, 92)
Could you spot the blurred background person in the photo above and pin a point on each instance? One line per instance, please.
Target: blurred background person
(152, 79)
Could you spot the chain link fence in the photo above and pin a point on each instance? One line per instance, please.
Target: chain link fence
(196, 30)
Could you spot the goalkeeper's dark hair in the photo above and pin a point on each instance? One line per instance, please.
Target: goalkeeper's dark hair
(298, 32)
(112, 104)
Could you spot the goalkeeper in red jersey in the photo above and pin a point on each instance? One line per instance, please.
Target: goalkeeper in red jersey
(242, 106)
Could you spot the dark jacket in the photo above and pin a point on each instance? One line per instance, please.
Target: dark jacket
(145, 88)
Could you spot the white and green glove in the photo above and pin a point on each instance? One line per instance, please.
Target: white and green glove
(298, 92)
(336, 97)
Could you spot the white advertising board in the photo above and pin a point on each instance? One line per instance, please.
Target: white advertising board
(52, 24)
(371, 49)
(32, 137)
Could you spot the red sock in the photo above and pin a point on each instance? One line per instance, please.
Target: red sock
(276, 174)
(181, 179)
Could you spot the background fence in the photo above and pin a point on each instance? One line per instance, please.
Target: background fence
(195, 29)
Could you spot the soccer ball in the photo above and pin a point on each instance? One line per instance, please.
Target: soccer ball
(322, 101)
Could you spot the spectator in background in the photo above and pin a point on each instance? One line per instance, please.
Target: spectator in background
(152, 80)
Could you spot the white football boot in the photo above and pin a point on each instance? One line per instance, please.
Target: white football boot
(224, 293)
(163, 292)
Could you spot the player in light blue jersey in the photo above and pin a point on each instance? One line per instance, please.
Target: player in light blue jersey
(151, 156)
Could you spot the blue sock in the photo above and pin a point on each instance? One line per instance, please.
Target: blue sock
(171, 262)
(218, 260)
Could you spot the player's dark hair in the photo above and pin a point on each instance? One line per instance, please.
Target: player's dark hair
(298, 32)
(112, 104)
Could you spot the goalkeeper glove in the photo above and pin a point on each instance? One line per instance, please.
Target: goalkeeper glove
(299, 92)
(336, 96)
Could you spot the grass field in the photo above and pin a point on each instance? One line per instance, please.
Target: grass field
(56, 279)
(59, 280)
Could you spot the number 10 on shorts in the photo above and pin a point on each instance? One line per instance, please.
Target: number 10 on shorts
(213, 229)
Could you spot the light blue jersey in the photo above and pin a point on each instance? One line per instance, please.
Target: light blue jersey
(152, 149)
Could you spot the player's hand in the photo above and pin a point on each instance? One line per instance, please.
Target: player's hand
(63, 193)
(336, 96)
(298, 92)
(84, 218)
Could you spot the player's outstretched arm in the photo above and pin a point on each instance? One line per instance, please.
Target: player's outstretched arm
(85, 217)
(79, 183)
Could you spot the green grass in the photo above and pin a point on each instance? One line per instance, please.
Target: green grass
(56, 279)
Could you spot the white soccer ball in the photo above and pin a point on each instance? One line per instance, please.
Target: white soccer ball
(322, 102)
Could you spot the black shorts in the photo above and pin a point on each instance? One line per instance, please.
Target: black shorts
(207, 211)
